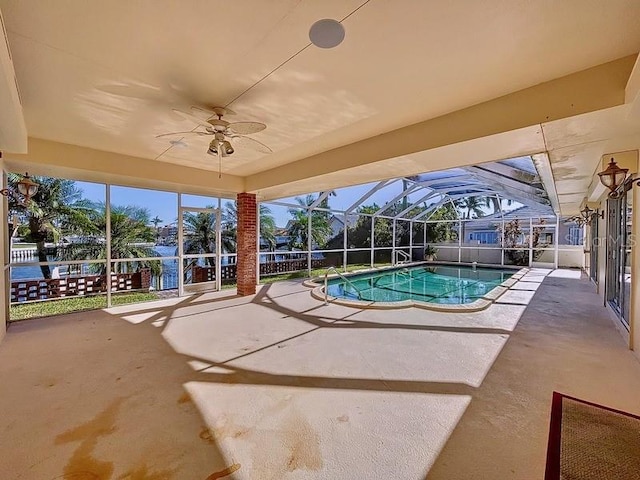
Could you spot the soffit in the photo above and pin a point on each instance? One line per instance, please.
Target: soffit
(106, 74)
(575, 147)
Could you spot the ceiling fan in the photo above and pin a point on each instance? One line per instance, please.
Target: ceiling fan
(226, 135)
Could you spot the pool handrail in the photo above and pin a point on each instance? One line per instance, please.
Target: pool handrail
(404, 255)
(326, 275)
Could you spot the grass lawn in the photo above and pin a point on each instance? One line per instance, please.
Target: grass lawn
(75, 304)
(22, 246)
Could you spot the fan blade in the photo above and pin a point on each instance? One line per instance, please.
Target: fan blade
(246, 128)
(189, 132)
(192, 118)
(248, 142)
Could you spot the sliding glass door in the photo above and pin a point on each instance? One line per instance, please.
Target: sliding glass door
(619, 235)
(593, 248)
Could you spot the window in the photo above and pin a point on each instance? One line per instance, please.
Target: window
(576, 235)
(488, 237)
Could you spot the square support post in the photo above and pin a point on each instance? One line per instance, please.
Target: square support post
(247, 243)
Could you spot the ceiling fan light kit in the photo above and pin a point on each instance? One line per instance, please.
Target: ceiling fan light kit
(222, 146)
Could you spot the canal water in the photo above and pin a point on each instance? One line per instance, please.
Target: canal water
(167, 280)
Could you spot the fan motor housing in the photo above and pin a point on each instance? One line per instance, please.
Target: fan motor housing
(218, 124)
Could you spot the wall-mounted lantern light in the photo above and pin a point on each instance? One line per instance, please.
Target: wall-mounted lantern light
(27, 188)
(613, 177)
(588, 214)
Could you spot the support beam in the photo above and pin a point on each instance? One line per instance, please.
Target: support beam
(322, 196)
(367, 195)
(80, 163)
(439, 181)
(395, 199)
(413, 204)
(492, 178)
(432, 208)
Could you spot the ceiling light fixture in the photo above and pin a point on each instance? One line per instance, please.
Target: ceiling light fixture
(326, 33)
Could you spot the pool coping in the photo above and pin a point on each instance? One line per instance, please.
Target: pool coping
(317, 292)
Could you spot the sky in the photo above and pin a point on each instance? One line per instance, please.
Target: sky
(164, 205)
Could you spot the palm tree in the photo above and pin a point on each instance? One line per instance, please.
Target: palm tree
(200, 234)
(495, 203)
(471, 206)
(443, 230)
(228, 227)
(229, 221)
(56, 209)
(267, 227)
(129, 232)
(156, 221)
(298, 227)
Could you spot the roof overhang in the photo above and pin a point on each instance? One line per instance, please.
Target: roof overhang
(13, 131)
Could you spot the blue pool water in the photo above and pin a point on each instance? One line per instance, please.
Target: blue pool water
(432, 284)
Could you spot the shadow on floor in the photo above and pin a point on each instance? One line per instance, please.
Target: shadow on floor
(559, 344)
(111, 407)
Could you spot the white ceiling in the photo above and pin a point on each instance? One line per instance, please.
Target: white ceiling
(106, 75)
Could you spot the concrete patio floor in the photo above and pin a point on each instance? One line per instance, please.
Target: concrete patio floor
(280, 386)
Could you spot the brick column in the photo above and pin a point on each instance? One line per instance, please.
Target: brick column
(247, 243)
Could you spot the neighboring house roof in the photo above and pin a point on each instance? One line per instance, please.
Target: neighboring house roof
(489, 222)
(338, 220)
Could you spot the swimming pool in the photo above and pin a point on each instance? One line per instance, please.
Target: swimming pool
(437, 287)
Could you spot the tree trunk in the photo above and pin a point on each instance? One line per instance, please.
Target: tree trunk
(42, 257)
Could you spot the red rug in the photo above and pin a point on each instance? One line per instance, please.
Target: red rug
(588, 441)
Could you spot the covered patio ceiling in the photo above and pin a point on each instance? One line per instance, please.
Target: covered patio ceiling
(415, 87)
